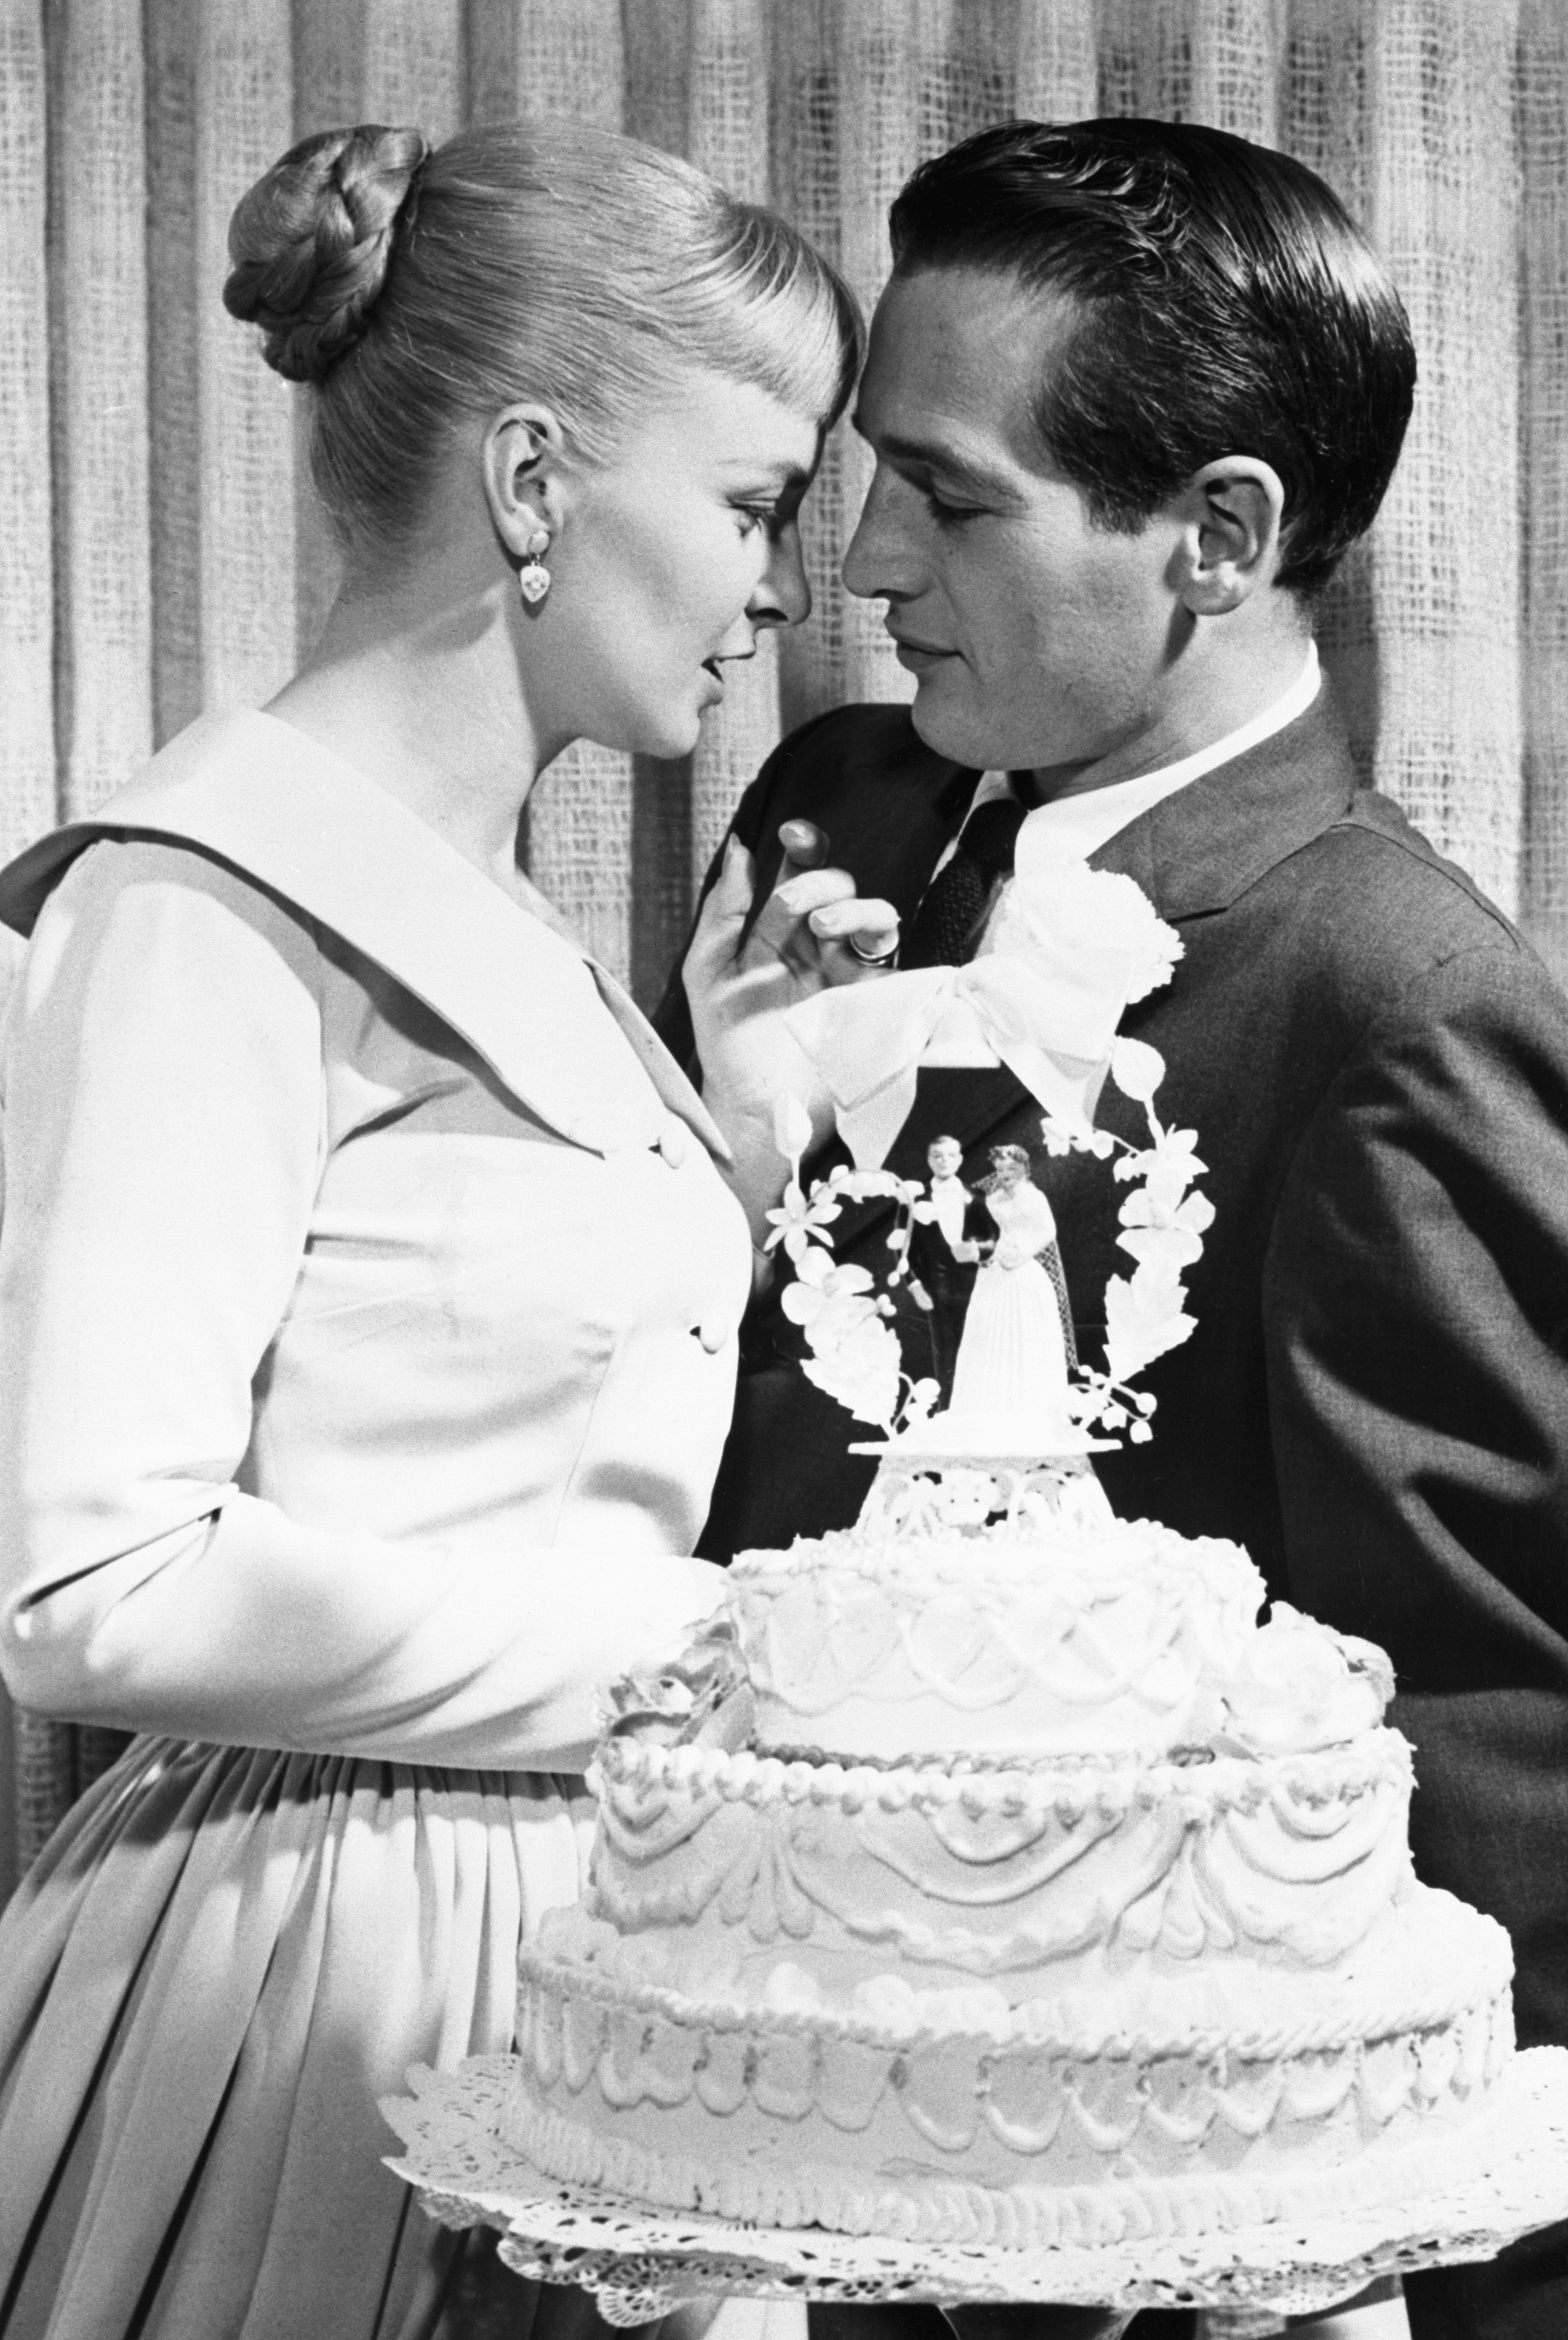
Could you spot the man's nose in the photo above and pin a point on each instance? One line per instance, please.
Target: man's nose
(880, 561)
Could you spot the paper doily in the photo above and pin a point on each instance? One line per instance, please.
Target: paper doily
(642, 2262)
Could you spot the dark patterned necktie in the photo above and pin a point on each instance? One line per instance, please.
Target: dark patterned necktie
(946, 927)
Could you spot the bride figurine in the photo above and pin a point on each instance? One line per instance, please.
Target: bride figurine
(1017, 1332)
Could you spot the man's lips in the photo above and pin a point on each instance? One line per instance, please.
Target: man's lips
(914, 653)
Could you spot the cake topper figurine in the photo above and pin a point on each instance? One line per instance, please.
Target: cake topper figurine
(1074, 947)
(1017, 1330)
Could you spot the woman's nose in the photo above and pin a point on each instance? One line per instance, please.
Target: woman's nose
(783, 597)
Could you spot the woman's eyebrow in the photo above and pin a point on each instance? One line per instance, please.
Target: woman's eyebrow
(779, 478)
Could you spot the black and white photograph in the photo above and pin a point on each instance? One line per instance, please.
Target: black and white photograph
(784, 1169)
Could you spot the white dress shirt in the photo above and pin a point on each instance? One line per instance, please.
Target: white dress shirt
(948, 1201)
(1079, 825)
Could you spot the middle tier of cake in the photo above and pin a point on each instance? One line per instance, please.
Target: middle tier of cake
(707, 1861)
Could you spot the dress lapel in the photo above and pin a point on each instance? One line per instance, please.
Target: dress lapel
(262, 798)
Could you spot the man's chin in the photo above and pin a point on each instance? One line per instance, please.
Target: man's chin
(947, 729)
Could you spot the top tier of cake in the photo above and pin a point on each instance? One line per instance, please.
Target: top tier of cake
(1075, 1640)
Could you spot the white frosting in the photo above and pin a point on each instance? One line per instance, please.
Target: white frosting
(707, 1860)
(947, 2114)
(988, 1875)
(1112, 1637)
(1301, 1685)
(916, 2204)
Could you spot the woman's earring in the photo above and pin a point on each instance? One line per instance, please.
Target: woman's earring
(534, 578)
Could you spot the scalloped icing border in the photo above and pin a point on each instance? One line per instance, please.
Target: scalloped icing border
(1324, 2018)
(1017, 2217)
(629, 2253)
(1112, 1785)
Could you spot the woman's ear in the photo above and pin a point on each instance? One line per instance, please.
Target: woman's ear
(524, 458)
(1231, 513)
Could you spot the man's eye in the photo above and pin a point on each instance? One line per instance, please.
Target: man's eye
(947, 513)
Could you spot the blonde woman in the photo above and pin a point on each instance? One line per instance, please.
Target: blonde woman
(369, 1275)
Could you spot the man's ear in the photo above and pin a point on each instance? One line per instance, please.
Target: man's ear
(524, 461)
(1231, 515)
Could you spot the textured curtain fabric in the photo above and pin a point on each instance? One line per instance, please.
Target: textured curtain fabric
(160, 551)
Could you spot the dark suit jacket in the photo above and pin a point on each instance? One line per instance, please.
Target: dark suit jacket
(947, 1279)
(1375, 1399)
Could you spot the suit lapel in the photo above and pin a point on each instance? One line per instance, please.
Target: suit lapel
(1197, 851)
(1193, 854)
(261, 797)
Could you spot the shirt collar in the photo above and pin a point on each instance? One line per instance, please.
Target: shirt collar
(1074, 826)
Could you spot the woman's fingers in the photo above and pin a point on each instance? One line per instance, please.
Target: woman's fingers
(826, 904)
(812, 910)
(872, 923)
(805, 846)
(858, 940)
(782, 925)
(720, 922)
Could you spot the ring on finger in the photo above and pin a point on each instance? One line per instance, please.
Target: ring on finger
(887, 949)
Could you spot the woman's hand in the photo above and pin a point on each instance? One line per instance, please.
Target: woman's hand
(741, 985)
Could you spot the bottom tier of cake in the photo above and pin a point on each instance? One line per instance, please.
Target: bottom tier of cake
(949, 2116)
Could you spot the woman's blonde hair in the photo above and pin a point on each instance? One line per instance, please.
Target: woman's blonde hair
(414, 289)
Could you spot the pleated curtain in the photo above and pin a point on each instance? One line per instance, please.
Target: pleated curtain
(161, 552)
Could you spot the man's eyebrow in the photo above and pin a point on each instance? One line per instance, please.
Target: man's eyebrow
(936, 455)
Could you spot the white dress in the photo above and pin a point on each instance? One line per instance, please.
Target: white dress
(1011, 1358)
(368, 1300)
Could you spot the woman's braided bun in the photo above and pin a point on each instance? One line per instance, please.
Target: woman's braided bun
(309, 243)
(421, 294)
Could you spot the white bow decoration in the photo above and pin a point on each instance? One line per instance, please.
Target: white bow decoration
(1051, 1026)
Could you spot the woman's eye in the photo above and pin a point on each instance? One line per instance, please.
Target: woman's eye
(754, 516)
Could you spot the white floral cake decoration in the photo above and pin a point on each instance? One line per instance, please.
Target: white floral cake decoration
(1071, 947)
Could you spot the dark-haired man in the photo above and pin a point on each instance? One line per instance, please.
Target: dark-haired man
(1132, 391)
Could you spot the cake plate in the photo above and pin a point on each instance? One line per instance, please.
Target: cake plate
(641, 2263)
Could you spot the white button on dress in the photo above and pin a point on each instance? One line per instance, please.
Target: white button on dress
(715, 1329)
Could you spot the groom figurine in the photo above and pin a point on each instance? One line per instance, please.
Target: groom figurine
(1134, 390)
(943, 1257)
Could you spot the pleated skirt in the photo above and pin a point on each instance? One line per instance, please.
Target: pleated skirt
(222, 1960)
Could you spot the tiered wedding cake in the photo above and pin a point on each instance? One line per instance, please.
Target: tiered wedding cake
(989, 1874)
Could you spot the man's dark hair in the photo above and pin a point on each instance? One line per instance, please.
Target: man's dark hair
(1228, 306)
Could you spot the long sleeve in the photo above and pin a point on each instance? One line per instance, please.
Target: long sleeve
(164, 1135)
(1416, 1307)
